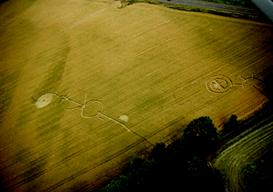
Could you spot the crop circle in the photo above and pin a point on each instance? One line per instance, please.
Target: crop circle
(219, 84)
(44, 100)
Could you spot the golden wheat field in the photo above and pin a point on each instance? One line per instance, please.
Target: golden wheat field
(86, 85)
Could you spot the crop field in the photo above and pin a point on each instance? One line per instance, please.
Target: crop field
(85, 85)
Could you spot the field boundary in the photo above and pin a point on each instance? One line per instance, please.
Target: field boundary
(204, 7)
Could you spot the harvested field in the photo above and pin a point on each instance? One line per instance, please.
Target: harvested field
(246, 150)
(111, 82)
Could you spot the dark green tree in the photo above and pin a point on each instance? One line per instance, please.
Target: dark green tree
(118, 184)
(231, 125)
(201, 135)
(159, 152)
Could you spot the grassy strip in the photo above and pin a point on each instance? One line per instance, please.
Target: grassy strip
(244, 3)
(195, 9)
(212, 11)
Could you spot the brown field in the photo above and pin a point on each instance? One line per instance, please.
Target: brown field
(160, 67)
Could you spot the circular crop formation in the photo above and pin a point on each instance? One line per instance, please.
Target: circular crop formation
(219, 84)
(44, 100)
(124, 118)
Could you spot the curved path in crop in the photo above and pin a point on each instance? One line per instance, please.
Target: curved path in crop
(232, 160)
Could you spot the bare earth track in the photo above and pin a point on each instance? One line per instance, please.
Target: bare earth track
(71, 69)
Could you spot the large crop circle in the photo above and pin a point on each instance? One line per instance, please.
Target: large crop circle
(219, 84)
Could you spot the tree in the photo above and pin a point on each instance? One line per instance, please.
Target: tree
(201, 135)
(118, 184)
(201, 176)
(158, 152)
(231, 124)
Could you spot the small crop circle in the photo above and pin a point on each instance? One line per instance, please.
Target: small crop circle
(44, 100)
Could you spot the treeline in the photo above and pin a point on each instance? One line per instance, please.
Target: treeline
(180, 166)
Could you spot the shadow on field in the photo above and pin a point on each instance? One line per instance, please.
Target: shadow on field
(268, 82)
(2, 183)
